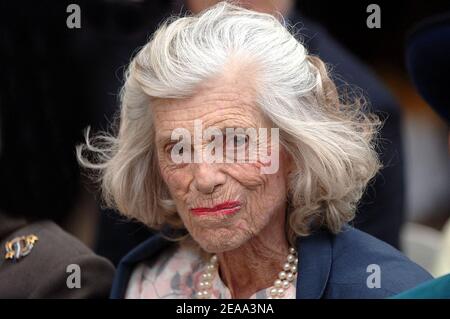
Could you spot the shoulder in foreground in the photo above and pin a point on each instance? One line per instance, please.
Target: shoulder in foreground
(365, 267)
(56, 256)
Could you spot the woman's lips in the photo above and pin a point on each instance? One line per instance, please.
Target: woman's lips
(225, 208)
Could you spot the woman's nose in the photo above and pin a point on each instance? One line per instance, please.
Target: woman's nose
(207, 177)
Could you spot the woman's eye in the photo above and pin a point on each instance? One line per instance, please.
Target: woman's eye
(240, 140)
(236, 141)
(169, 149)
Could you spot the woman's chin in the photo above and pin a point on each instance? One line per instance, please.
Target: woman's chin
(218, 241)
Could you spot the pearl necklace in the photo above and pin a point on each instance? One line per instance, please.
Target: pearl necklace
(280, 285)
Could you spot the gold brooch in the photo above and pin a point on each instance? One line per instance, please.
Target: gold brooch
(20, 246)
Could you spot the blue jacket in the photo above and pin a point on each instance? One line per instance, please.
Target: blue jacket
(330, 266)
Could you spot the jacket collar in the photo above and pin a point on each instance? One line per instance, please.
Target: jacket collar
(314, 264)
(314, 255)
(145, 250)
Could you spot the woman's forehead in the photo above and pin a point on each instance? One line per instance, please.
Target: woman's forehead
(222, 103)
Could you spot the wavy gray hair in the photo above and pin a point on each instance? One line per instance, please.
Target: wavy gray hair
(330, 140)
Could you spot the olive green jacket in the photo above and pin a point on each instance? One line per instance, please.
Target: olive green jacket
(44, 272)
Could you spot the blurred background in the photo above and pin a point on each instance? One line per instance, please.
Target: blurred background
(56, 81)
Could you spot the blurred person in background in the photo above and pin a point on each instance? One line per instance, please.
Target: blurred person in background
(41, 115)
(38, 258)
(428, 63)
(110, 33)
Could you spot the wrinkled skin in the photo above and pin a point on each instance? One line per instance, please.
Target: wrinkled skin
(251, 244)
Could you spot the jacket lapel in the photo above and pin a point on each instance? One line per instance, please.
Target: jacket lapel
(314, 265)
(144, 251)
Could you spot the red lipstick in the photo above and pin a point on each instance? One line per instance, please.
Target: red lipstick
(225, 208)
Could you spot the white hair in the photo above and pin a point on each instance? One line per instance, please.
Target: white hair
(330, 140)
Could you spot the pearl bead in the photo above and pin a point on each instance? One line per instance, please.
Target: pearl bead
(207, 284)
(276, 292)
(277, 283)
(206, 276)
(290, 277)
(273, 291)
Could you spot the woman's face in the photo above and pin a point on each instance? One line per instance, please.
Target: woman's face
(222, 205)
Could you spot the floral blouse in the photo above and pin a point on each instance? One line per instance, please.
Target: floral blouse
(176, 274)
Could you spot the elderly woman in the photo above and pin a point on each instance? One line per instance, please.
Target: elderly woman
(263, 211)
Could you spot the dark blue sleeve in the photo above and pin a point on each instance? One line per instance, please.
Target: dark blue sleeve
(357, 256)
